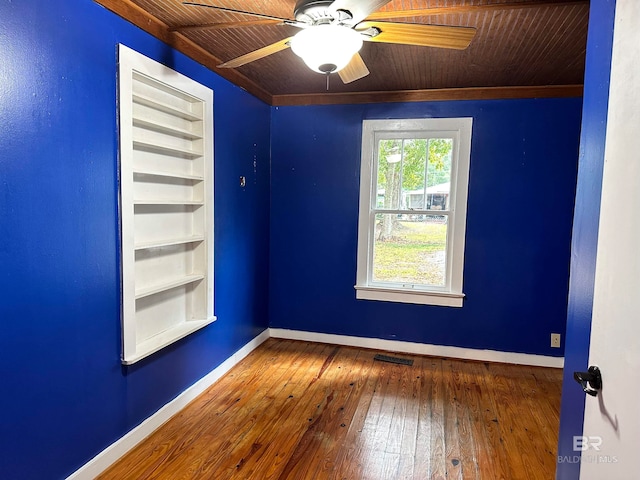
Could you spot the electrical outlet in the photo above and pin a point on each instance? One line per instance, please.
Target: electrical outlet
(555, 340)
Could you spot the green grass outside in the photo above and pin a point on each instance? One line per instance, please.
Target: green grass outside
(414, 254)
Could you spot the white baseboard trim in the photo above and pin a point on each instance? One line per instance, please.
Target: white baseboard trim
(113, 452)
(421, 348)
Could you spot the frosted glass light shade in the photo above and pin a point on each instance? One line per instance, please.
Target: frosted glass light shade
(326, 48)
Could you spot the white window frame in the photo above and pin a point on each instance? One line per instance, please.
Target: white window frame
(372, 132)
(163, 188)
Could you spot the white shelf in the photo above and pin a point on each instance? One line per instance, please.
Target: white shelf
(165, 149)
(162, 339)
(160, 127)
(181, 176)
(162, 287)
(169, 243)
(188, 203)
(170, 109)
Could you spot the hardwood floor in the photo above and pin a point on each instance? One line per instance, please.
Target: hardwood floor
(298, 410)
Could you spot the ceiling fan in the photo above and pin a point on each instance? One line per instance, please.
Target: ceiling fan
(333, 31)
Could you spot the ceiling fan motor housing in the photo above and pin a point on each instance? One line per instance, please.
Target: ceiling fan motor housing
(313, 11)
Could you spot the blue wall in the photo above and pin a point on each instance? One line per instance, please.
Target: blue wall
(522, 184)
(65, 395)
(585, 229)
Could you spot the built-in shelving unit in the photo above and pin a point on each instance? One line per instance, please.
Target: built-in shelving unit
(166, 168)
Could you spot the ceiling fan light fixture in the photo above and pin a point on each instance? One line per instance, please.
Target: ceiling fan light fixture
(326, 48)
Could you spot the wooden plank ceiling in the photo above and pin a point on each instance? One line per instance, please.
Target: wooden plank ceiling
(522, 48)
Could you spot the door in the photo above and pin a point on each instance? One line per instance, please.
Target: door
(611, 434)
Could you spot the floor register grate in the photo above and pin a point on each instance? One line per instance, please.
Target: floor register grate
(390, 359)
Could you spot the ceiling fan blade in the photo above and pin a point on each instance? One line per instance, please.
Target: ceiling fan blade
(440, 36)
(355, 70)
(480, 8)
(257, 54)
(359, 9)
(231, 10)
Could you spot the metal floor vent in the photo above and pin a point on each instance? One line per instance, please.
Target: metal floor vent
(389, 359)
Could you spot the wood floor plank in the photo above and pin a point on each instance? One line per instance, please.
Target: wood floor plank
(399, 455)
(310, 408)
(251, 420)
(538, 427)
(349, 461)
(363, 460)
(422, 451)
(298, 410)
(452, 437)
(247, 417)
(511, 412)
(384, 444)
(489, 452)
(411, 415)
(294, 399)
(437, 461)
(333, 443)
(311, 453)
(235, 431)
(498, 459)
(468, 446)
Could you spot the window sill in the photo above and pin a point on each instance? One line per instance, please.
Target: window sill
(443, 299)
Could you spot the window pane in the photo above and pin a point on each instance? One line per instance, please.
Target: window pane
(439, 173)
(410, 249)
(414, 162)
(389, 170)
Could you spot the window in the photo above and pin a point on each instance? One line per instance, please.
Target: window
(166, 205)
(413, 202)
